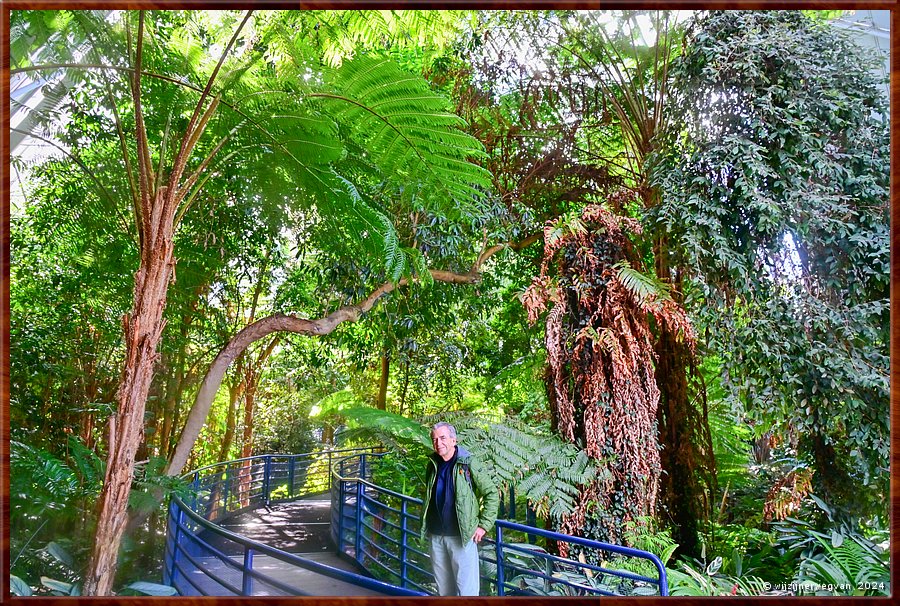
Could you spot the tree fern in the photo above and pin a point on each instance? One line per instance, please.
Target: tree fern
(547, 471)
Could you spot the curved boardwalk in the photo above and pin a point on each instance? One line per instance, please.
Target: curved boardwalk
(300, 527)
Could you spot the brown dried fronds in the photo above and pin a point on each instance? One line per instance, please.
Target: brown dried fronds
(535, 298)
(786, 494)
(600, 376)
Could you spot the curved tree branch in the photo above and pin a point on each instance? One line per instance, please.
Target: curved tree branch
(289, 323)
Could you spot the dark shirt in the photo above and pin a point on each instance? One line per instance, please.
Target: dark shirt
(442, 509)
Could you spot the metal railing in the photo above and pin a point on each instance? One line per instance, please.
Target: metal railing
(380, 529)
(195, 566)
(377, 527)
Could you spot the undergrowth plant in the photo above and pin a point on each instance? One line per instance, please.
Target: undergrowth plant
(545, 470)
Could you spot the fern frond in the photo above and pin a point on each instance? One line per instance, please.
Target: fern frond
(643, 287)
(408, 132)
(379, 425)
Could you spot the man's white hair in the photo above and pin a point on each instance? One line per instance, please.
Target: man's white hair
(449, 427)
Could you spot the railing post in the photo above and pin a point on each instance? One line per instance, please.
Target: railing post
(499, 547)
(548, 571)
(195, 484)
(267, 469)
(403, 543)
(360, 491)
(170, 570)
(329, 469)
(340, 532)
(247, 581)
(229, 488)
(291, 460)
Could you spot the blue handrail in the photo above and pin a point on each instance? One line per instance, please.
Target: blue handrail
(194, 567)
(254, 548)
(384, 538)
(380, 530)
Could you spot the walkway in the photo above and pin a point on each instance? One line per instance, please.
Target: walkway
(316, 524)
(300, 527)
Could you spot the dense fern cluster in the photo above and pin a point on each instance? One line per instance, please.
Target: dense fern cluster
(541, 467)
(548, 472)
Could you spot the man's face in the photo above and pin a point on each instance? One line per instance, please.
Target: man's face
(444, 444)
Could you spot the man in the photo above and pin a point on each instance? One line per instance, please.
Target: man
(460, 506)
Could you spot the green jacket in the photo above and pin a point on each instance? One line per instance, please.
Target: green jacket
(473, 508)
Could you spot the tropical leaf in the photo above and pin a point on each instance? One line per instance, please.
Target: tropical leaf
(381, 422)
(643, 287)
(408, 132)
(156, 589)
(60, 554)
(18, 587)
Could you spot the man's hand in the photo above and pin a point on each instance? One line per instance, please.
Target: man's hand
(479, 533)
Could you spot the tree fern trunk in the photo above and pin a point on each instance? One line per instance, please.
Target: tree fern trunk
(679, 457)
(686, 455)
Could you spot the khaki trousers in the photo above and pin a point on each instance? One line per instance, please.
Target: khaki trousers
(455, 565)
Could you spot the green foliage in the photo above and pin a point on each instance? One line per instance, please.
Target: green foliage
(150, 482)
(342, 168)
(774, 182)
(644, 288)
(644, 534)
(408, 132)
(548, 471)
(847, 567)
(709, 581)
(54, 587)
(383, 427)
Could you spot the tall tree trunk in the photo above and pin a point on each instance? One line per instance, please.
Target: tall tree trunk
(686, 456)
(247, 442)
(680, 489)
(381, 399)
(143, 329)
(164, 425)
(155, 208)
(235, 390)
(405, 389)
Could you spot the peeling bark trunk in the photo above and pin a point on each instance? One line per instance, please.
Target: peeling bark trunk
(155, 208)
(143, 329)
